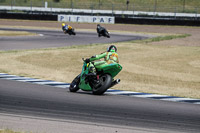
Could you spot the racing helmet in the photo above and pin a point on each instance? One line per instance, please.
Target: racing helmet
(63, 24)
(112, 48)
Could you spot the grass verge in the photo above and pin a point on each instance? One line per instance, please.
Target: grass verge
(160, 69)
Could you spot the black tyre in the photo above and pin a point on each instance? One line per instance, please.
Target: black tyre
(104, 83)
(74, 85)
(73, 32)
(107, 34)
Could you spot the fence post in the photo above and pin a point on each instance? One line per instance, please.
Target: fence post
(43, 3)
(31, 5)
(155, 7)
(46, 4)
(72, 7)
(196, 13)
(99, 3)
(175, 12)
(11, 4)
(133, 10)
(92, 10)
(183, 5)
(71, 3)
(112, 9)
(127, 3)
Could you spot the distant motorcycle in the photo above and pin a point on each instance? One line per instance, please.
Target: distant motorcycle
(102, 31)
(67, 29)
(105, 34)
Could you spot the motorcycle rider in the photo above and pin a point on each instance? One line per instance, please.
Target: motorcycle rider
(66, 28)
(100, 30)
(110, 56)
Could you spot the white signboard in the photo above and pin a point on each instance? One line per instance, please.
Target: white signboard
(87, 19)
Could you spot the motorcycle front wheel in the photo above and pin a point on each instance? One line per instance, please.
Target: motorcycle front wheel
(73, 32)
(107, 34)
(74, 86)
(104, 83)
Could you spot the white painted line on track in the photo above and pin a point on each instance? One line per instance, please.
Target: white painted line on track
(179, 99)
(151, 96)
(48, 82)
(62, 86)
(121, 92)
(31, 80)
(5, 75)
(17, 78)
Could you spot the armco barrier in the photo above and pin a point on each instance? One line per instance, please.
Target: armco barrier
(151, 21)
(28, 16)
(155, 21)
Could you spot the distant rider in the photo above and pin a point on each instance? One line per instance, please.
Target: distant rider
(100, 30)
(66, 28)
(110, 56)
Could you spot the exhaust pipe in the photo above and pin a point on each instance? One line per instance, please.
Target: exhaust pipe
(117, 81)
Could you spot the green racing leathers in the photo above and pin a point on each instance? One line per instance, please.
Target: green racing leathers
(109, 58)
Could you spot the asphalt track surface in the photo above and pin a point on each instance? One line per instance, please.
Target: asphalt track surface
(53, 38)
(58, 103)
(126, 114)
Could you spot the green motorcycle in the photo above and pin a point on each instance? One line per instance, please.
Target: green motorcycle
(97, 83)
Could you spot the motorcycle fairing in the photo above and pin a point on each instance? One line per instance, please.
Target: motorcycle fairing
(84, 85)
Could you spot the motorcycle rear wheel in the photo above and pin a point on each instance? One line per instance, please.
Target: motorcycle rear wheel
(104, 83)
(74, 86)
